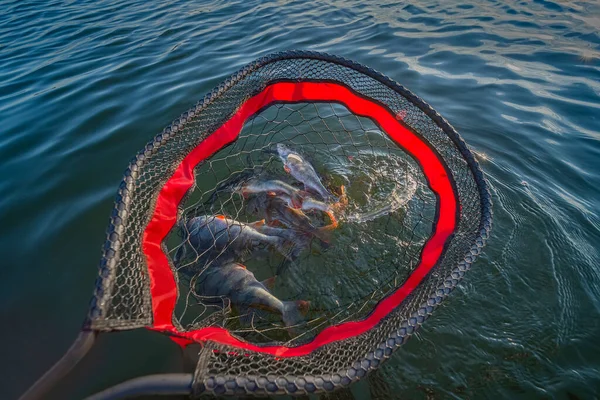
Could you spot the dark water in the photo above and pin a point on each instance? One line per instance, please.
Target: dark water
(84, 85)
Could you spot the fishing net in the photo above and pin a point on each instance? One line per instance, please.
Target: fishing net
(408, 213)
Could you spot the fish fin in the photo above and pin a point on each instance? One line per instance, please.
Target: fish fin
(294, 312)
(332, 218)
(276, 224)
(343, 200)
(300, 242)
(286, 248)
(297, 248)
(269, 283)
(324, 233)
(296, 157)
(299, 213)
(257, 224)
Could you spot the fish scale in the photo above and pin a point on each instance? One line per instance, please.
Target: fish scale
(303, 171)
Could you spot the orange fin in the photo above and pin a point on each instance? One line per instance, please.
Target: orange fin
(257, 224)
(297, 212)
(269, 283)
(334, 222)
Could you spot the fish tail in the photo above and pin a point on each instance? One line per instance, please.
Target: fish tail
(301, 242)
(294, 312)
(291, 249)
(281, 245)
(324, 233)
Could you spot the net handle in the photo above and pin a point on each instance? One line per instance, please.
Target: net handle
(160, 384)
(80, 347)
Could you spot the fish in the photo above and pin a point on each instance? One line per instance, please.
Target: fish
(298, 240)
(220, 237)
(309, 204)
(259, 205)
(279, 212)
(235, 282)
(303, 171)
(288, 234)
(256, 186)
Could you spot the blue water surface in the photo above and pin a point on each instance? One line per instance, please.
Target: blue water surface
(85, 84)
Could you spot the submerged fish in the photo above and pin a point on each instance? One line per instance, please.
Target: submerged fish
(279, 212)
(256, 186)
(239, 285)
(219, 236)
(297, 239)
(299, 168)
(310, 204)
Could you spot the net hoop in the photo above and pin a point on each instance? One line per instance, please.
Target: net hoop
(159, 281)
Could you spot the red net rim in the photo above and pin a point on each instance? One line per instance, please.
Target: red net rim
(162, 282)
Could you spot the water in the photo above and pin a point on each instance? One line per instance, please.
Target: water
(84, 85)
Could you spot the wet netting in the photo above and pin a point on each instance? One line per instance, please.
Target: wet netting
(300, 222)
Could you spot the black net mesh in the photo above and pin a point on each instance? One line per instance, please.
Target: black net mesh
(343, 272)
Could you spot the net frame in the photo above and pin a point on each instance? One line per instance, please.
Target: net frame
(218, 371)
